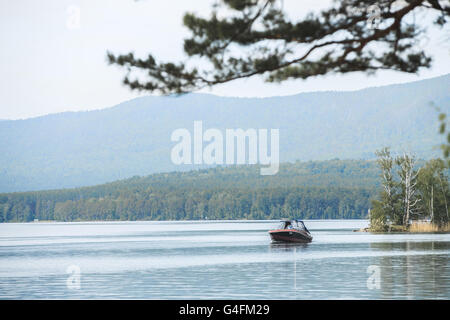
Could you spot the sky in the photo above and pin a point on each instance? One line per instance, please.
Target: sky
(53, 53)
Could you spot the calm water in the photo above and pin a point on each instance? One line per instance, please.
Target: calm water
(216, 260)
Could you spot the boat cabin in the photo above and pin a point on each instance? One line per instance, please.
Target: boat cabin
(293, 224)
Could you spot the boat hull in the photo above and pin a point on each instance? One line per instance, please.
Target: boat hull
(290, 236)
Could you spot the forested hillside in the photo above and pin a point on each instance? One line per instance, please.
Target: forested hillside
(76, 149)
(314, 189)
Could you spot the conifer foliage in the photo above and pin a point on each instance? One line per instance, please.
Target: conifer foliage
(245, 38)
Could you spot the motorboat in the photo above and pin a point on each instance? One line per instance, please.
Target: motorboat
(291, 231)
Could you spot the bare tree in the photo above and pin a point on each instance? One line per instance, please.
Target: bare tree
(408, 183)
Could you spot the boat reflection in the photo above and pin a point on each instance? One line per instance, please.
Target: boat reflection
(287, 247)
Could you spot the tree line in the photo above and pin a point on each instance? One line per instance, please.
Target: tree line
(409, 192)
(334, 189)
(185, 204)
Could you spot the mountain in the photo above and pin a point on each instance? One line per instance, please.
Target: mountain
(74, 149)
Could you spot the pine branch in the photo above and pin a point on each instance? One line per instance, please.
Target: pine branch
(259, 40)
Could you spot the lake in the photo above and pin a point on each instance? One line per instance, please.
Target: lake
(218, 260)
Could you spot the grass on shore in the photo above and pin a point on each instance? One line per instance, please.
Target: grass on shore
(428, 227)
(415, 227)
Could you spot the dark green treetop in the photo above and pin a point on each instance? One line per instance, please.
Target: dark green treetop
(443, 129)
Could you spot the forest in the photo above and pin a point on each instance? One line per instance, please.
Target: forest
(411, 194)
(334, 189)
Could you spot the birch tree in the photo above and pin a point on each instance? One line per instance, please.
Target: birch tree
(408, 182)
(389, 196)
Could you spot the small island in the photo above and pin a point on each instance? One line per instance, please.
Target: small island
(412, 199)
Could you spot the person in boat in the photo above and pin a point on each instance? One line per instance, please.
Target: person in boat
(293, 224)
(286, 224)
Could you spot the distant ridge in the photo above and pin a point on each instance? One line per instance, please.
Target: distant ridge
(133, 138)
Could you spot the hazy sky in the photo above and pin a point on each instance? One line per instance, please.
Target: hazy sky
(50, 63)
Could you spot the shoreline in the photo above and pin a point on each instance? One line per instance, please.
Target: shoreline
(199, 220)
(415, 230)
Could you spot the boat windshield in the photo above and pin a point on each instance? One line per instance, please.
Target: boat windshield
(301, 225)
(293, 224)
